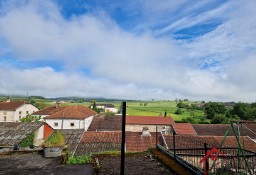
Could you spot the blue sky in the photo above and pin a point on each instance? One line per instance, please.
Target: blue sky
(137, 49)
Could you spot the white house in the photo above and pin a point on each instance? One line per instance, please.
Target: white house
(14, 111)
(49, 110)
(107, 107)
(72, 117)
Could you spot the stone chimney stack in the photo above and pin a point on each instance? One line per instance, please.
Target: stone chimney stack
(145, 132)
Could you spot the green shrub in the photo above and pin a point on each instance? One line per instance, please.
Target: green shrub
(28, 141)
(80, 159)
(55, 139)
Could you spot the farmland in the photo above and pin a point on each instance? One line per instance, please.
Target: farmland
(139, 108)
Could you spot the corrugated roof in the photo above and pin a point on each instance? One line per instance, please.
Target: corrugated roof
(184, 128)
(49, 110)
(72, 112)
(149, 120)
(12, 133)
(11, 106)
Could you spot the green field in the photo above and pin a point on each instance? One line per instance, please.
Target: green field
(138, 108)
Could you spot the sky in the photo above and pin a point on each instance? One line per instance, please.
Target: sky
(130, 49)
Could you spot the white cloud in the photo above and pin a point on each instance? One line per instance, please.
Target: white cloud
(125, 65)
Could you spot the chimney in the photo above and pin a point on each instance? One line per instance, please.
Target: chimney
(145, 132)
(57, 104)
(8, 100)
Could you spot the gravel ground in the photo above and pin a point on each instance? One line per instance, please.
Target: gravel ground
(36, 164)
(136, 164)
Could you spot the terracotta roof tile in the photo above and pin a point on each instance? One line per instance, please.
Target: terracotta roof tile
(220, 130)
(149, 120)
(185, 141)
(73, 112)
(137, 143)
(11, 106)
(49, 110)
(251, 126)
(184, 128)
(103, 123)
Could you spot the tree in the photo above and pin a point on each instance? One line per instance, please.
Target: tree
(178, 111)
(241, 110)
(30, 118)
(109, 114)
(220, 118)
(213, 108)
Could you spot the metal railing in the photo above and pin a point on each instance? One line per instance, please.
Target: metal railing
(201, 158)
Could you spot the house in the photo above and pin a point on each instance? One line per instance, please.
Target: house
(12, 133)
(136, 123)
(14, 111)
(71, 117)
(49, 110)
(107, 107)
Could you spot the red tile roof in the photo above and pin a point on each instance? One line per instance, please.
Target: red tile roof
(11, 106)
(184, 128)
(137, 143)
(73, 112)
(49, 110)
(220, 130)
(185, 141)
(103, 123)
(251, 126)
(149, 120)
(102, 137)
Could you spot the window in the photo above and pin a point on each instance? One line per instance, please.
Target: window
(56, 124)
(20, 112)
(5, 118)
(27, 112)
(72, 124)
(19, 117)
(163, 130)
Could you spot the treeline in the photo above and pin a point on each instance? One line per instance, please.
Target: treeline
(216, 112)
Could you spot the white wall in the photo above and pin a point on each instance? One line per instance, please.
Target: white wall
(22, 111)
(8, 114)
(111, 110)
(87, 122)
(39, 136)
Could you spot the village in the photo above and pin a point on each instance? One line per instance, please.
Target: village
(87, 132)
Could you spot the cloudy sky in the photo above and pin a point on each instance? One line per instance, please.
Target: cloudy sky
(136, 49)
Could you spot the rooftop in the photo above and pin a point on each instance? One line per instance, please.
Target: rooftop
(49, 110)
(184, 128)
(13, 133)
(149, 120)
(11, 106)
(72, 112)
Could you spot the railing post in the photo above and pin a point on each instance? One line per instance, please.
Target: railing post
(174, 144)
(123, 139)
(156, 137)
(206, 160)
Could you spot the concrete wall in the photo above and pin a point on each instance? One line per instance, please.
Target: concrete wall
(14, 116)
